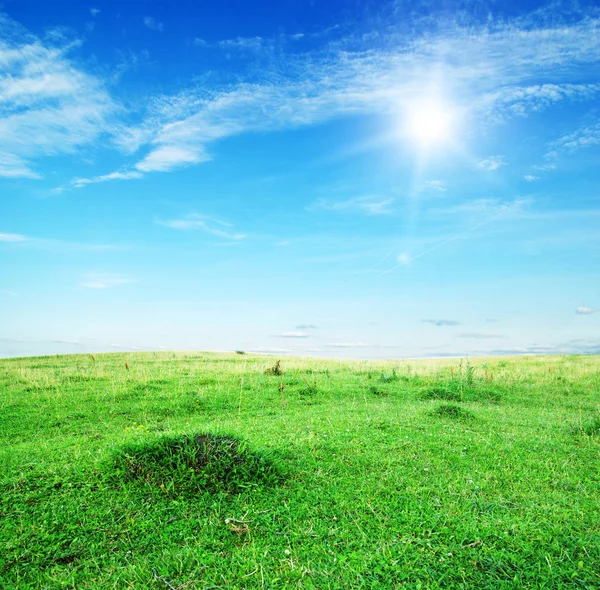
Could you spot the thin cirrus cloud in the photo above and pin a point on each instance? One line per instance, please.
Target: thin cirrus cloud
(210, 225)
(369, 205)
(478, 335)
(243, 43)
(293, 335)
(584, 310)
(48, 104)
(12, 238)
(105, 281)
(340, 79)
(584, 136)
(153, 24)
(348, 345)
(492, 163)
(441, 322)
(436, 185)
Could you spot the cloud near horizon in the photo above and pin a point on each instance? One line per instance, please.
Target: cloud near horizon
(442, 322)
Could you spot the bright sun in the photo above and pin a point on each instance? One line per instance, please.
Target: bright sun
(429, 124)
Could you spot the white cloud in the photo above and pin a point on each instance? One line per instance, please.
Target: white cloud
(371, 205)
(492, 163)
(525, 99)
(585, 136)
(442, 322)
(348, 345)
(8, 292)
(244, 43)
(12, 238)
(48, 105)
(105, 281)
(153, 24)
(95, 11)
(493, 67)
(437, 185)
(293, 335)
(169, 157)
(492, 207)
(531, 178)
(341, 81)
(80, 182)
(211, 225)
(12, 166)
(584, 310)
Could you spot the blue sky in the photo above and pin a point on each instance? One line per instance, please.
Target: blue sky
(351, 179)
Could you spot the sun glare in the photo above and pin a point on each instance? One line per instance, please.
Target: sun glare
(429, 124)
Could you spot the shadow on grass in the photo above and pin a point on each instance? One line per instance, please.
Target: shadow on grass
(591, 427)
(189, 463)
(452, 411)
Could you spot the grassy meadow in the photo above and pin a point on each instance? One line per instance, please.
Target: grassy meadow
(205, 470)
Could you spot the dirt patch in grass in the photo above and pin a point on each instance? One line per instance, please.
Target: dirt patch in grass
(188, 463)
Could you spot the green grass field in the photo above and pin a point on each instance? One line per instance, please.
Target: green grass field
(200, 470)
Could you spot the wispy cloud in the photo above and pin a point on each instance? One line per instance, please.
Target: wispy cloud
(95, 11)
(293, 335)
(348, 345)
(585, 136)
(503, 69)
(269, 350)
(479, 335)
(436, 185)
(369, 205)
(48, 104)
(129, 175)
(168, 157)
(243, 43)
(8, 292)
(531, 178)
(584, 310)
(537, 97)
(13, 238)
(153, 24)
(492, 163)
(307, 327)
(12, 166)
(442, 322)
(211, 225)
(104, 281)
(492, 208)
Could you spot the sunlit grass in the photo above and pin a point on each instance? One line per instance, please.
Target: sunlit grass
(198, 470)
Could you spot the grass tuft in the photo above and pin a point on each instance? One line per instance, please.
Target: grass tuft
(188, 463)
(591, 427)
(275, 369)
(441, 393)
(453, 411)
